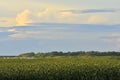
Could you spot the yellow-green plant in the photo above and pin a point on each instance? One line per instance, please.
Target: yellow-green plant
(83, 68)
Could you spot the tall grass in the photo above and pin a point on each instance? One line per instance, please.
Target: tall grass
(60, 69)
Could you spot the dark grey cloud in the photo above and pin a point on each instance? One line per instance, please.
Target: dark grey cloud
(71, 27)
(66, 27)
(92, 11)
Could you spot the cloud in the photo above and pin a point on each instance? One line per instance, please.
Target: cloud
(48, 35)
(115, 34)
(96, 19)
(18, 36)
(7, 22)
(1, 31)
(86, 16)
(27, 34)
(43, 13)
(47, 15)
(113, 38)
(85, 11)
(66, 32)
(51, 15)
(67, 17)
(116, 42)
(23, 18)
(12, 30)
(43, 31)
(3, 21)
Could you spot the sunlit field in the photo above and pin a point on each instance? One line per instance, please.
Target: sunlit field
(81, 68)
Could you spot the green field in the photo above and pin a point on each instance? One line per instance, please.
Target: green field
(82, 68)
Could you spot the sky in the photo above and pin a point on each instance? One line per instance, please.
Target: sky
(59, 25)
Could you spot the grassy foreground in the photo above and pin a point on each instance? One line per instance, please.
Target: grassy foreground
(84, 68)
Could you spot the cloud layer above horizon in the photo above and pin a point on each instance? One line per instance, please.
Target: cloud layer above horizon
(63, 25)
(46, 37)
(32, 11)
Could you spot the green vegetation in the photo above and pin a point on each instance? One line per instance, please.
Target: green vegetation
(80, 68)
(30, 54)
(69, 54)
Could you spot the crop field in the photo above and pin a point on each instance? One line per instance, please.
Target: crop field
(82, 68)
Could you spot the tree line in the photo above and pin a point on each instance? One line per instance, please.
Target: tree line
(67, 54)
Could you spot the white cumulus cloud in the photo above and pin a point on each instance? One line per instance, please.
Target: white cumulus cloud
(11, 30)
(23, 18)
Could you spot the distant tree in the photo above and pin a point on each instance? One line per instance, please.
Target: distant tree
(74, 54)
(29, 54)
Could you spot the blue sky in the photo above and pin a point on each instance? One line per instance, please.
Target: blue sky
(59, 25)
